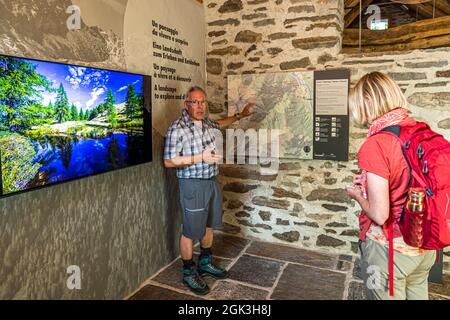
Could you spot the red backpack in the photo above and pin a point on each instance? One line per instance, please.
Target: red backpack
(428, 156)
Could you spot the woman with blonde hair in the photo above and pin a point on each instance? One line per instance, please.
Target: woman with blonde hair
(377, 102)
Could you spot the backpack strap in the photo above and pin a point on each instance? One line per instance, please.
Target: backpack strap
(391, 259)
(393, 131)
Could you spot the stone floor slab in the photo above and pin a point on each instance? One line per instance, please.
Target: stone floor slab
(228, 246)
(230, 229)
(345, 257)
(308, 283)
(441, 289)
(356, 291)
(437, 297)
(298, 281)
(344, 265)
(226, 290)
(151, 292)
(172, 276)
(357, 270)
(254, 270)
(290, 254)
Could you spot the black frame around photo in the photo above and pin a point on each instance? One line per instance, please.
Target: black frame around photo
(147, 127)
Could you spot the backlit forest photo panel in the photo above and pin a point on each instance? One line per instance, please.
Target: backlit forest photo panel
(60, 122)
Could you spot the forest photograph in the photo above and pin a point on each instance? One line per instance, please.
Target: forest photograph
(60, 122)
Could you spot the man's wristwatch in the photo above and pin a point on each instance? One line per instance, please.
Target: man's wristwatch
(238, 115)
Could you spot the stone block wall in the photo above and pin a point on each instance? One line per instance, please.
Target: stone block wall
(259, 36)
(304, 204)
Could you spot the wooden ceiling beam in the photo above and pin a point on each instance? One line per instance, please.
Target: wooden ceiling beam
(434, 42)
(351, 3)
(410, 1)
(408, 32)
(443, 5)
(438, 12)
(426, 10)
(420, 15)
(423, 11)
(354, 13)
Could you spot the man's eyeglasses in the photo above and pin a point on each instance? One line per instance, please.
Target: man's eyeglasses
(197, 102)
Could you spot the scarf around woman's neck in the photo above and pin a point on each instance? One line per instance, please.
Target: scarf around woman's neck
(389, 119)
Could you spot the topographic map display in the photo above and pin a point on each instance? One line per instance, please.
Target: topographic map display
(283, 101)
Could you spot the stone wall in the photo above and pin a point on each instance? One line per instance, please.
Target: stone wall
(259, 36)
(304, 204)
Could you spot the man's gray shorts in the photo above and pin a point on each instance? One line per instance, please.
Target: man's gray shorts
(201, 202)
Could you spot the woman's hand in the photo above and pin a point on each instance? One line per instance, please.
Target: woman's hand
(357, 180)
(354, 192)
(377, 205)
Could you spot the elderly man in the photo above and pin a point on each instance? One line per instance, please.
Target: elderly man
(190, 147)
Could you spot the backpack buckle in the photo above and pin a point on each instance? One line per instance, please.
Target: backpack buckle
(425, 167)
(420, 152)
(407, 144)
(429, 192)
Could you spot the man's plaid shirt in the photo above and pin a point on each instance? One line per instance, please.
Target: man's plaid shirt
(184, 138)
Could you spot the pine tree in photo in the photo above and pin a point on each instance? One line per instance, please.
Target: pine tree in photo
(101, 108)
(62, 105)
(73, 113)
(112, 117)
(140, 103)
(94, 114)
(138, 110)
(130, 102)
(21, 90)
(50, 108)
(54, 110)
(81, 115)
(111, 109)
(110, 100)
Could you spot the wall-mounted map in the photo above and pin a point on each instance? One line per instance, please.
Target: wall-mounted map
(283, 101)
(309, 109)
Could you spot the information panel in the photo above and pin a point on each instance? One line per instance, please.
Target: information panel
(169, 37)
(331, 116)
(308, 110)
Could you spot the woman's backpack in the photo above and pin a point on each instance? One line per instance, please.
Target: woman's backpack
(428, 156)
